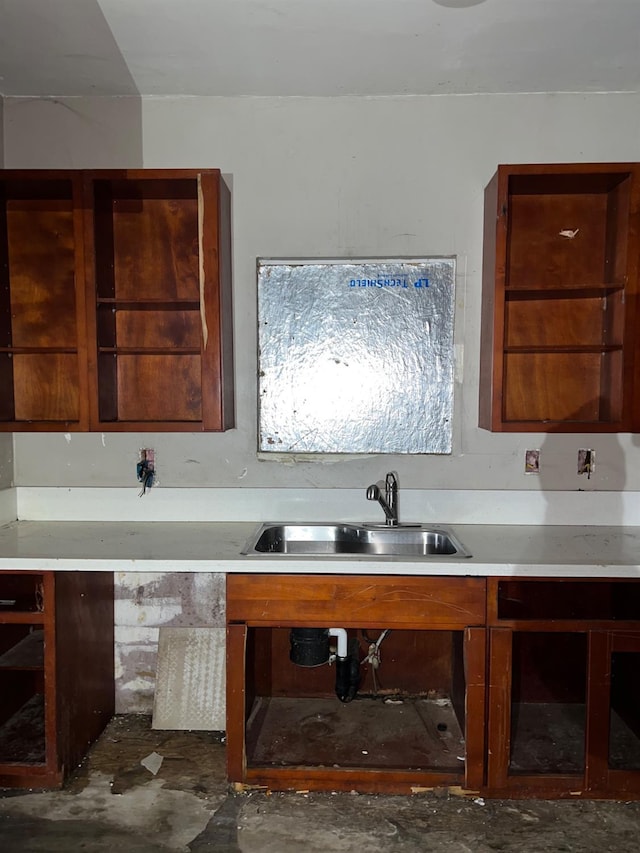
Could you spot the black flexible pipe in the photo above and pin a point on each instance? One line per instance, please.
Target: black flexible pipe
(347, 677)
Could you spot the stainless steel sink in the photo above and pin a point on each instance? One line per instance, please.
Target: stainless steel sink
(343, 539)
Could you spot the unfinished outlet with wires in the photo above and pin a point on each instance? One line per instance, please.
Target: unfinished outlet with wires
(146, 469)
(586, 462)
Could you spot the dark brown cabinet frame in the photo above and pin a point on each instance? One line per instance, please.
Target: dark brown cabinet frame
(559, 349)
(400, 603)
(602, 616)
(68, 668)
(583, 610)
(117, 307)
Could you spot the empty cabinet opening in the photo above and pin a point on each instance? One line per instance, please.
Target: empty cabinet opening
(564, 292)
(409, 712)
(548, 703)
(564, 297)
(22, 705)
(624, 712)
(38, 338)
(568, 230)
(567, 599)
(148, 282)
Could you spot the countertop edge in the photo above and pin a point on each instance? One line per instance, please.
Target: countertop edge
(589, 552)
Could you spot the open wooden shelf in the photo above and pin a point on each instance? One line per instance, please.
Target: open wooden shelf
(41, 300)
(560, 284)
(115, 300)
(159, 270)
(56, 672)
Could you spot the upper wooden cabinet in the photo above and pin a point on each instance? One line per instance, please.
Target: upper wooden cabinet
(43, 377)
(560, 285)
(115, 301)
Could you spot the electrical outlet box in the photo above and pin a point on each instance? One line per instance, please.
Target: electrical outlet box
(586, 461)
(146, 469)
(532, 462)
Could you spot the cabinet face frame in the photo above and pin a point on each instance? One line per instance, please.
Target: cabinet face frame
(499, 728)
(609, 366)
(75, 612)
(47, 772)
(600, 776)
(207, 365)
(603, 638)
(342, 600)
(210, 307)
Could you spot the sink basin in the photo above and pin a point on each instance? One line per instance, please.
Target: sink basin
(340, 539)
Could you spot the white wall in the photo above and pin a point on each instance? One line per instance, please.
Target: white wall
(332, 177)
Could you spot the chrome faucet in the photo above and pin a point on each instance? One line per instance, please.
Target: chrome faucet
(389, 502)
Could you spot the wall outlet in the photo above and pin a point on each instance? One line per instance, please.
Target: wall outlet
(146, 469)
(532, 462)
(586, 461)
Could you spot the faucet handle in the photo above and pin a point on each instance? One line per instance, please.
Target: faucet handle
(391, 480)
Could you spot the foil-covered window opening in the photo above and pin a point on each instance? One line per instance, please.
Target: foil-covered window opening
(356, 356)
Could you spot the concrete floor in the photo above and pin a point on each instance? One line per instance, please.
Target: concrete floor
(114, 803)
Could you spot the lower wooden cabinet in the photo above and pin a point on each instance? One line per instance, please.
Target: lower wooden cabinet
(498, 687)
(56, 672)
(564, 703)
(417, 720)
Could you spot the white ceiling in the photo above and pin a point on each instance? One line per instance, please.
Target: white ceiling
(317, 47)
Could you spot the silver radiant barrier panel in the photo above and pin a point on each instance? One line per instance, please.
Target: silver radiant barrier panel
(356, 356)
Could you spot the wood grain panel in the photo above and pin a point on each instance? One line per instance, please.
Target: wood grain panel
(236, 702)
(351, 601)
(41, 261)
(475, 651)
(159, 387)
(555, 386)
(155, 242)
(46, 387)
(499, 719)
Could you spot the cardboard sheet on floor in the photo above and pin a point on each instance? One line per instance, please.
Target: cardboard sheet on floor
(190, 680)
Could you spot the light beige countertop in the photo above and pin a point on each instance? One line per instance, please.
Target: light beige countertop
(498, 550)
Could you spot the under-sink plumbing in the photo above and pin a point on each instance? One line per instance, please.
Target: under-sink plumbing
(389, 502)
(310, 647)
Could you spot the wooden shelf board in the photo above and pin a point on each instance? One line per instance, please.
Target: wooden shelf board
(149, 304)
(38, 350)
(551, 350)
(149, 351)
(571, 291)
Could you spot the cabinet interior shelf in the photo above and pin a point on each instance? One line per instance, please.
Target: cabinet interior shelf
(37, 350)
(150, 304)
(21, 617)
(116, 351)
(570, 292)
(553, 350)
